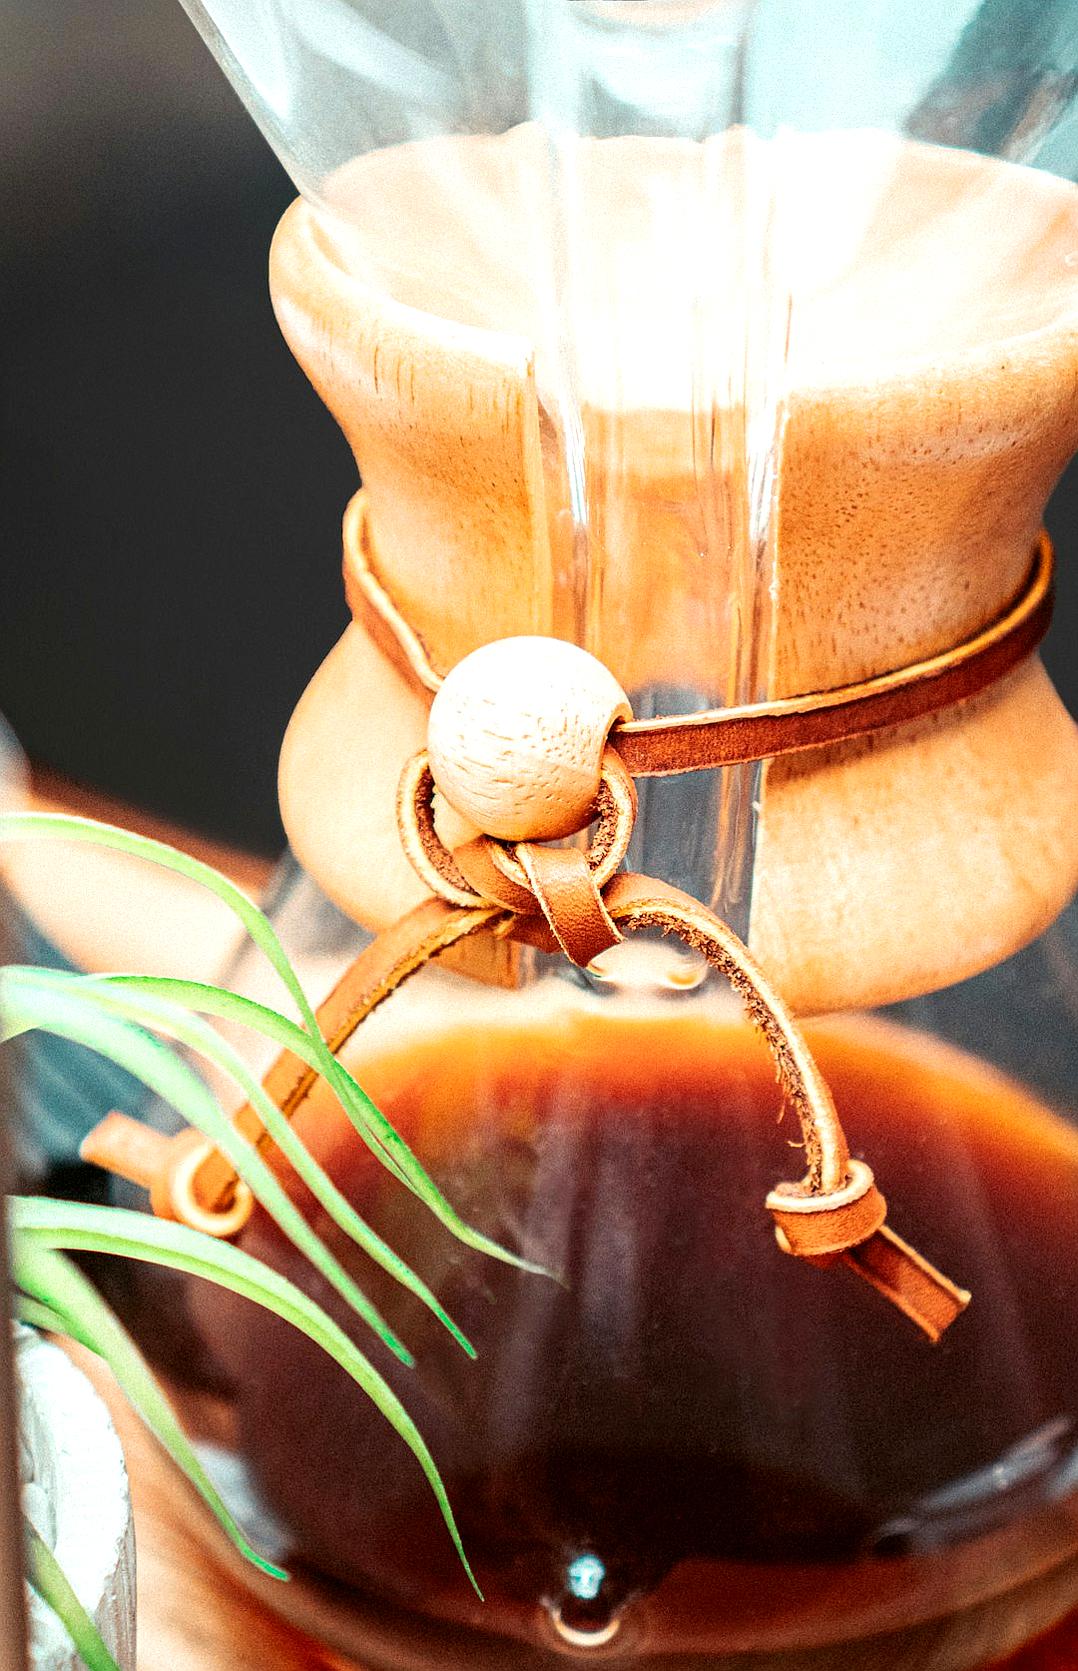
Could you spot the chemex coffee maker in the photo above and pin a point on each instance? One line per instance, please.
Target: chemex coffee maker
(707, 365)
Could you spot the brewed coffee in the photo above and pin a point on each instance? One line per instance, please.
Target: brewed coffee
(686, 1433)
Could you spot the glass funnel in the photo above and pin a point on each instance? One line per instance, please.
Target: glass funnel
(736, 343)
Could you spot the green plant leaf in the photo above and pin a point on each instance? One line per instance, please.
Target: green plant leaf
(365, 1115)
(28, 999)
(48, 1578)
(368, 1120)
(66, 1302)
(130, 1235)
(38, 1314)
(146, 1003)
(67, 827)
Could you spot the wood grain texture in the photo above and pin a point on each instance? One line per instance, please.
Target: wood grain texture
(921, 444)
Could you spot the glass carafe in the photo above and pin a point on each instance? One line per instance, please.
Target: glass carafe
(737, 344)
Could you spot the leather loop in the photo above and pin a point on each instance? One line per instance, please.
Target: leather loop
(640, 902)
(813, 1226)
(167, 1168)
(615, 815)
(223, 1214)
(478, 862)
(759, 731)
(484, 870)
(849, 1224)
(423, 847)
(846, 1213)
(565, 887)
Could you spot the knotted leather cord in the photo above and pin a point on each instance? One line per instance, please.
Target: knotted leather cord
(835, 1212)
(562, 898)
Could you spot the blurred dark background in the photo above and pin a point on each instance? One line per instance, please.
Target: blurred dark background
(170, 488)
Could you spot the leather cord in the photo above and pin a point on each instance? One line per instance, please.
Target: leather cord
(758, 731)
(834, 1212)
(564, 885)
(575, 901)
(208, 1196)
(484, 870)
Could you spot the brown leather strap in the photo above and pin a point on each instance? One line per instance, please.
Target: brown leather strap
(564, 885)
(484, 870)
(373, 608)
(208, 1197)
(898, 1272)
(758, 731)
(836, 1210)
(475, 861)
(382, 967)
(165, 1166)
(850, 1225)
(641, 902)
(833, 1212)
(814, 1226)
(733, 736)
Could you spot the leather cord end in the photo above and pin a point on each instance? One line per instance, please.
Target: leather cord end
(168, 1168)
(913, 1285)
(126, 1147)
(812, 1225)
(564, 886)
(850, 1224)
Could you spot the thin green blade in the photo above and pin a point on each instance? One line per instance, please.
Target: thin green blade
(27, 1000)
(150, 1004)
(364, 1115)
(133, 1235)
(368, 1120)
(61, 1292)
(48, 1578)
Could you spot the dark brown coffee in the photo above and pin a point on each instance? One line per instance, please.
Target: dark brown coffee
(688, 1431)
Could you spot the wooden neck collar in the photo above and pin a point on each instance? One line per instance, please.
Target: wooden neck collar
(758, 731)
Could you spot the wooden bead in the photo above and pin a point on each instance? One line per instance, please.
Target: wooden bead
(517, 733)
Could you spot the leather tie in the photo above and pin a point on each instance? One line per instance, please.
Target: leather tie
(575, 900)
(735, 736)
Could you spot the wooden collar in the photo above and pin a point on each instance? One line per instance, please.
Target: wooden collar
(757, 731)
